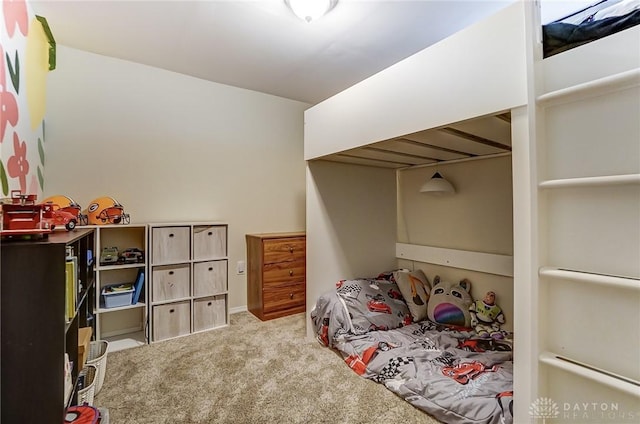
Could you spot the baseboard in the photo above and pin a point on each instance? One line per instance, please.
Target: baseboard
(238, 309)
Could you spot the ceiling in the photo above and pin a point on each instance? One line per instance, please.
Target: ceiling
(260, 45)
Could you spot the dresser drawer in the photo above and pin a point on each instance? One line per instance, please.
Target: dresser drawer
(171, 320)
(209, 312)
(170, 282)
(283, 272)
(284, 249)
(170, 244)
(209, 278)
(209, 241)
(284, 296)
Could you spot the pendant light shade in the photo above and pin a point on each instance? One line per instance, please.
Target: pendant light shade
(310, 10)
(437, 185)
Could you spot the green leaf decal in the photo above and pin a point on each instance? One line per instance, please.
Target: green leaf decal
(41, 150)
(3, 179)
(40, 178)
(14, 72)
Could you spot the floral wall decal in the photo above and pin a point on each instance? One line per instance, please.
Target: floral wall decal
(26, 46)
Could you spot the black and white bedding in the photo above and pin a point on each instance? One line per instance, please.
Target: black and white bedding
(446, 371)
(597, 21)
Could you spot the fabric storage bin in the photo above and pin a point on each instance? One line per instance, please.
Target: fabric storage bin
(86, 394)
(209, 278)
(98, 357)
(171, 320)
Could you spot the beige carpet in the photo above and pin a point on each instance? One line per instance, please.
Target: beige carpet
(250, 372)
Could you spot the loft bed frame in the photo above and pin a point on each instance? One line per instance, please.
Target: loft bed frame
(563, 231)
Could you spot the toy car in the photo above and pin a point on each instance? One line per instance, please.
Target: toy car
(132, 255)
(109, 255)
(54, 216)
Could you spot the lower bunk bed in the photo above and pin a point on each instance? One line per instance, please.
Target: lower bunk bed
(440, 350)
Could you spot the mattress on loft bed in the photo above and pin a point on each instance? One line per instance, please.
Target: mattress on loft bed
(595, 22)
(450, 373)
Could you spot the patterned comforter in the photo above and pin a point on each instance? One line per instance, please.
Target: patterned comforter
(452, 375)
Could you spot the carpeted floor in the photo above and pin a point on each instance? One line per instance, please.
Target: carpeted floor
(250, 372)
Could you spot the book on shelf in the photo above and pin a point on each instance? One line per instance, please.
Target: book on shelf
(138, 286)
(71, 287)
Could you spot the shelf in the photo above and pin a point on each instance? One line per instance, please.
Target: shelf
(120, 266)
(126, 341)
(188, 261)
(102, 310)
(121, 322)
(164, 302)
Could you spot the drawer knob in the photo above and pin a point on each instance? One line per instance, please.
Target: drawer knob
(210, 233)
(171, 235)
(171, 311)
(290, 273)
(209, 304)
(290, 249)
(210, 268)
(291, 296)
(170, 272)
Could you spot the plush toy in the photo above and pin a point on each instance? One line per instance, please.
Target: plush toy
(449, 303)
(486, 317)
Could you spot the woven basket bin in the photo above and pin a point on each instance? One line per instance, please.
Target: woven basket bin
(98, 356)
(86, 394)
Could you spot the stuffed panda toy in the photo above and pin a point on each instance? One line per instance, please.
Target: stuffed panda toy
(449, 303)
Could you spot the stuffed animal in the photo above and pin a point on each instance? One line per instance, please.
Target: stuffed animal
(449, 303)
(486, 317)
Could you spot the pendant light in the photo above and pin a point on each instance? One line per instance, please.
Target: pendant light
(437, 185)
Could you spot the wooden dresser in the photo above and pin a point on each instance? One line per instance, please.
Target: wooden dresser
(276, 284)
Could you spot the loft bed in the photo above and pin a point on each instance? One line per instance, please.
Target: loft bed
(574, 198)
(599, 20)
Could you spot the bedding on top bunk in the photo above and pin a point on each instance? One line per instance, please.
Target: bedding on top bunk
(447, 371)
(597, 21)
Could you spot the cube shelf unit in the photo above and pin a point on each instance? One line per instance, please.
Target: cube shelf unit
(188, 278)
(123, 326)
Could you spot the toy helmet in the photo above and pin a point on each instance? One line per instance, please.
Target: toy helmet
(68, 204)
(106, 210)
(62, 201)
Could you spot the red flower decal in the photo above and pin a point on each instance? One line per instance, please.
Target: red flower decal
(8, 103)
(15, 13)
(18, 165)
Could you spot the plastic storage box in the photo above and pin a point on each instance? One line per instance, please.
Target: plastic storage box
(117, 295)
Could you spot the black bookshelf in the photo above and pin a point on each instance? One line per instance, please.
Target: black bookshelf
(35, 333)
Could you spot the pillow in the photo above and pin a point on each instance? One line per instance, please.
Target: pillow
(449, 303)
(415, 289)
(373, 304)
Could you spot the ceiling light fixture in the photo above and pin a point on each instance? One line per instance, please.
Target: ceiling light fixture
(310, 10)
(437, 185)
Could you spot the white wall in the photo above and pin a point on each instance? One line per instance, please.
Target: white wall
(175, 148)
(478, 218)
(351, 229)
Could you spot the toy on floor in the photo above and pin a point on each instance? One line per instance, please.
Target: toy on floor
(487, 317)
